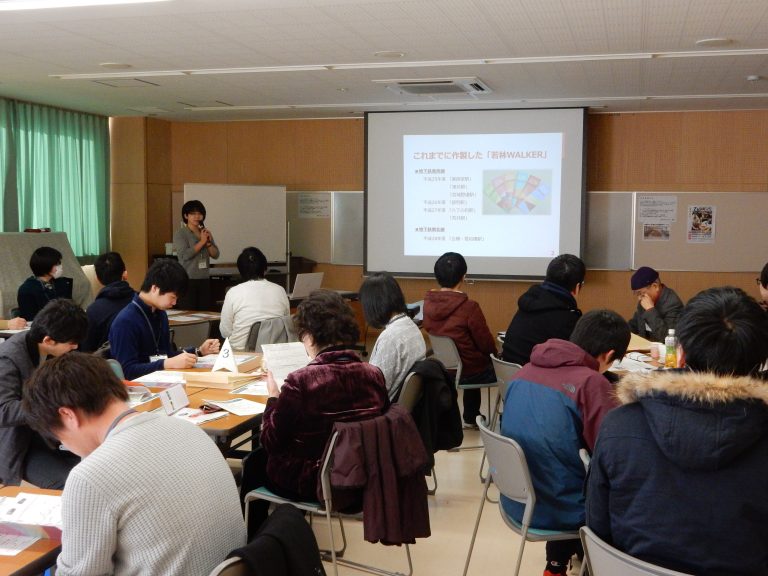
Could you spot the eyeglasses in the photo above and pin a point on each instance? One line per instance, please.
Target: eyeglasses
(757, 280)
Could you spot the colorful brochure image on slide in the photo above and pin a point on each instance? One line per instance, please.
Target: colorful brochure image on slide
(480, 194)
(517, 192)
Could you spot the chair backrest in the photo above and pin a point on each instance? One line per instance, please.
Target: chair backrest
(411, 391)
(444, 349)
(231, 567)
(116, 368)
(505, 371)
(253, 336)
(508, 468)
(271, 331)
(605, 560)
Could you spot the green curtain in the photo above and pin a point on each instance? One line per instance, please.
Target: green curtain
(57, 163)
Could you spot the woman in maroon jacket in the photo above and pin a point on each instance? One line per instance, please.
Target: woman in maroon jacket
(335, 386)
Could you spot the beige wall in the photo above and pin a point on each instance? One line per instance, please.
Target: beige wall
(679, 151)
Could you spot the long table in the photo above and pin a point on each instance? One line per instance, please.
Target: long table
(224, 431)
(39, 556)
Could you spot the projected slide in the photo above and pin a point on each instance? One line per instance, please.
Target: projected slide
(491, 195)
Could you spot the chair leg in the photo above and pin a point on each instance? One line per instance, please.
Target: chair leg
(494, 419)
(333, 544)
(433, 490)
(523, 536)
(477, 525)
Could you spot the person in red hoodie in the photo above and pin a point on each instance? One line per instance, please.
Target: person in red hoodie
(449, 312)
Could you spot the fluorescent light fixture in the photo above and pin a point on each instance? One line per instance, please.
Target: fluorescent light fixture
(7, 5)
(260, 69)
(112, 75)
(410, 64)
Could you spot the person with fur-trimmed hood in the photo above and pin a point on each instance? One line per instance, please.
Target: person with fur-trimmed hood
(679, 476)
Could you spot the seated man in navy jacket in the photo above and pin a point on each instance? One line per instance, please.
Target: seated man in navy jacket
(685, 457)
(116, 295)
(553, 408)
(140, 337)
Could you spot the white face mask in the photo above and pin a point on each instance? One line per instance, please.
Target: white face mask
(58, 270)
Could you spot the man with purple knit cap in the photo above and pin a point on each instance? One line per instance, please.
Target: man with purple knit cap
(658, 306)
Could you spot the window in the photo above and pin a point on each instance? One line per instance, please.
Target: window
(54, 173)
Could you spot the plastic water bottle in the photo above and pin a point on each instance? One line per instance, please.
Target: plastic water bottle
(670, 343)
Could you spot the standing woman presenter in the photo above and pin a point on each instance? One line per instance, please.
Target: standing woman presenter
(195, 247)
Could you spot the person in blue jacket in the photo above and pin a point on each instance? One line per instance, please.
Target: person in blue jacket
(553, 409)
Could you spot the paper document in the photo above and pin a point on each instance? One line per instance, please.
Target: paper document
(34, 515)
(639, 356)
(138, 395)
(11, 545)
(238, 406)
(207, 315)
(162, 378)
(630, 365)
(282, 359)
(9, 331)
(187, 318)
(258, 388)
(197, 416)
(174, 312)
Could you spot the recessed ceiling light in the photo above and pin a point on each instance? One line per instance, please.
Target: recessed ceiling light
(342, 89)
(389, 54)
(116, 65)
(7, 5)
(753, 78)
(713, 42)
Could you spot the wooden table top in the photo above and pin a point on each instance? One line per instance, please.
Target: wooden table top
(35, 558)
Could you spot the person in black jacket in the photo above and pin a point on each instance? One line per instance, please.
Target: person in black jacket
(116, 295)
(45, 284)
(684, 460)
(547, 310)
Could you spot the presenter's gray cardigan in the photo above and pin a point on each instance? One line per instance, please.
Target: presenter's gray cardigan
(156, 498)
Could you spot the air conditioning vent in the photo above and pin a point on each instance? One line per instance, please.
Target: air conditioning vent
(437, 86)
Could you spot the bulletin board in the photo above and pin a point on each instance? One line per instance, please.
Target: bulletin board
(708, 232)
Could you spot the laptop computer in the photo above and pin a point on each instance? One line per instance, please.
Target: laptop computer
(305, 284)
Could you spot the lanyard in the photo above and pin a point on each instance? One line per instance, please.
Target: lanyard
(156, 338)
(116, 421)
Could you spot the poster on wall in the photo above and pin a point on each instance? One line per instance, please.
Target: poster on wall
(657, 208)
(701, 224)
(314, 205)
(656, 232)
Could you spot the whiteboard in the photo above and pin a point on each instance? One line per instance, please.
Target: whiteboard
(241, 216)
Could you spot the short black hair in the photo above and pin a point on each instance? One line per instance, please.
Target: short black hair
(43, 259)
(764, 276)
(109, 268)
(168, 275)
(61, 320)
(600, 331)
(450, 268)
(725, 331)
(567, 271)
(75, 380)
(252, 264)
(192, 206)
(326, 317)
(381, 298)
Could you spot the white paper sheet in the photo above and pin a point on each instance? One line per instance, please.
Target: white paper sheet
(11, 545)
(239, 406)
(282, 359)
(162, 378)
(258, 388)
